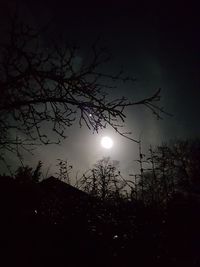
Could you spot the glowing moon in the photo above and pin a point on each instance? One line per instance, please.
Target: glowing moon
(106, 142)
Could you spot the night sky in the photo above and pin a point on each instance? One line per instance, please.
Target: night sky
(156, 43)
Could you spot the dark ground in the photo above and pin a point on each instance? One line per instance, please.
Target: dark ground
(54, 224)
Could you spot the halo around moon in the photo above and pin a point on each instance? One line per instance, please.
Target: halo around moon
(106, 142)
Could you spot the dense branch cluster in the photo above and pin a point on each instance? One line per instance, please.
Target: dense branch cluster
(103, 180)
(165, 171)
(41, 85)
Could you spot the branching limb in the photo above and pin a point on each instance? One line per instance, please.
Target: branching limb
(47, 86)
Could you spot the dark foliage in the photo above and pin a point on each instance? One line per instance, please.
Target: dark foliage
(54, 224)
(26, 174)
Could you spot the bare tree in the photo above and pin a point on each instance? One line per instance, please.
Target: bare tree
(43, 85)
(64, 171)
(104, 180)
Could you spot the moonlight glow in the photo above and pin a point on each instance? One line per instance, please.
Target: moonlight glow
(106, 142)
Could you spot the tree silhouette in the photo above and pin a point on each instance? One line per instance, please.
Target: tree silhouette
(46, 86)
(185, 154)
(167, 169)
(104, 180)
(64, 171)
(26, 174)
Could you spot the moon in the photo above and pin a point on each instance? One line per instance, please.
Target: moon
(106, 142)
